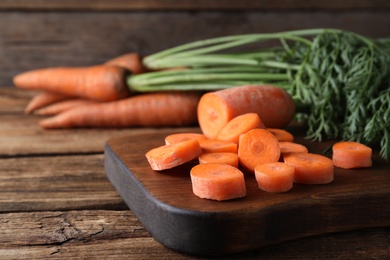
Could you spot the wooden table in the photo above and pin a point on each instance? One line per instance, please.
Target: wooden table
(56, 201)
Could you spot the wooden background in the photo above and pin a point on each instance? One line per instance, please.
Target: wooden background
(41, 33)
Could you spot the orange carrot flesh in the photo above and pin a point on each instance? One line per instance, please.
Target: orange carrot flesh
(291, 147)
(62, 106)
(43, 99)
(225, 158)
(239, 125)
(217, 146)
(217, 181)
(348, 155)
(147, 110)
(274, 106)
(274, 177)
(131, 61)
(102, 82)
(310, 168)
(169, 156)
(281, 134)
(257, 146)
(179, 137)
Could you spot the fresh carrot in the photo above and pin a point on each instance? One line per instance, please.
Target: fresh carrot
(310, 168)
(171, 155)
(131, 61)
(348, 155)
(179, 137)
(239, 125)
(101, 82)
(281, 134)
(225, 158)
(290, 147)
(274, 106)
(257, 146)
(217, 181)
(62, 106)
(151, 109)
(43, 99)
(217, 146)
(274, 177)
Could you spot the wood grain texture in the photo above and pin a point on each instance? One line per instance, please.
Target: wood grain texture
(119, 234)
(189, 4)
(31, 40)
(94, 222)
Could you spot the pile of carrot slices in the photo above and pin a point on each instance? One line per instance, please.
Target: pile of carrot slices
(243, 144)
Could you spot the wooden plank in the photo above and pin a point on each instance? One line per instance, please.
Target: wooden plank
(20, 134)
(251, 222)
(33, 40)
(56, 183)
(110, 234)
(189, 4)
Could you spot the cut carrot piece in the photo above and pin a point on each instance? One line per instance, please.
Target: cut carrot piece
(217, 146)
(281, 134)
(226, 158)
(217, 181)
(169, 156)
(350, 155)
(311, 168)
(257, 146)
(239, 125)
(275, 177)
(274, 106)
(179, 137)
(290, 147)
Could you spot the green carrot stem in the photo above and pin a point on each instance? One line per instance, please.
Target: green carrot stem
(208, 77)
(227, 42)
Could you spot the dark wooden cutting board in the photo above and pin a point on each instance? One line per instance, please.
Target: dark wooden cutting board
(165, 204)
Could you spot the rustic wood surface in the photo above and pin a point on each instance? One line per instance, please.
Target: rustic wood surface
(43, 33)
(56, 202)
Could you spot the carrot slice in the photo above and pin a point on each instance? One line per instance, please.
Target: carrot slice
(350, 155)
(274, 106)
(179, 137)
(226, 158)
(217, 181)
(217, 146)
(257, 146)
(275, 177)
(311, 168)
(168, 156)
(291, 147)
(239, 125)
(281, 134)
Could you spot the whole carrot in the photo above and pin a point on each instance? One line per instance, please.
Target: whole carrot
(62, 106)
(101, 82)
(131, 61)
(274, 106)
(151, 109)
(42, 99)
